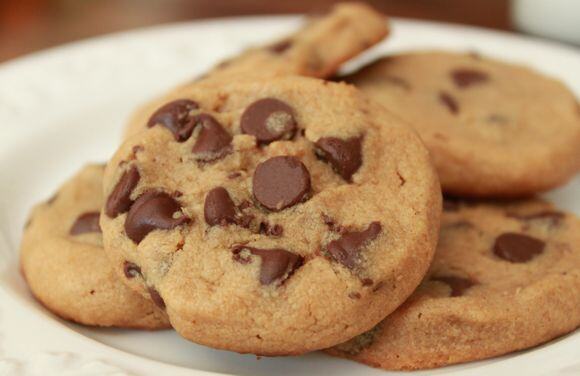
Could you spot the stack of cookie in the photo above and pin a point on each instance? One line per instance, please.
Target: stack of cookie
(267, 209)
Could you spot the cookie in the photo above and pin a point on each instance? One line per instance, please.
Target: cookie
(494, 129)
(505, 277)
(272, 216)
(64, 264)
(318, 49)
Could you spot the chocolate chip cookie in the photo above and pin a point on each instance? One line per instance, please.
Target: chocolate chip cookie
(494, 129)
(63, 261)
(505, 277)
(272, 216)
(316, 50)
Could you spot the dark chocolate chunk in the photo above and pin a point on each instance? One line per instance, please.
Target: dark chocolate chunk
(268, 120)
(344, 156)
(131, 270)
(219, 209)
(515, 247)
(277, 264)
(449, 101)
(346, 249)
(119, 200)
(86, 222)
(175, 116)
(213, 141)
(458, 285)
(153, 210)
(466, 77)
(281, 182)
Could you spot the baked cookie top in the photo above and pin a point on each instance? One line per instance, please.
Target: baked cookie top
(505, 277)
(64, 264)
(317, 49)
(249, 206)
(494, 129)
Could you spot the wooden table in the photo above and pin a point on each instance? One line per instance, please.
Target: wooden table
(30, 25)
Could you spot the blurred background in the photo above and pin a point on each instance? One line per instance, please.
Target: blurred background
(31, 25)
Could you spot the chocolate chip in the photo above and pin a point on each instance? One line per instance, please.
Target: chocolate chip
(268, 120)
(175, 116)
(157, 299)
(515, 247)
(219, 209)
(131, 270)
(281, 182)
(346, 249)
(458, 285)
(119, 200)
(277, 264)
(271, 230)
(153, 210)
(213, 140)
(465, 77)
(367, 282)
(344, 156)
(449, 101)
(281, 46)
(87, 222)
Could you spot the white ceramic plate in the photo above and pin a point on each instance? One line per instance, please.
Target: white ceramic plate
(64, 107)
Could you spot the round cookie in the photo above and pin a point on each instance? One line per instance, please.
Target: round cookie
(493, 129)
(317, 49)
(64, 264)
(277, 217)
(505, 277)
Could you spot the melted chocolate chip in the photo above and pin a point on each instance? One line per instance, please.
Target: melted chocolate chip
(277, 264)
(458, 285)
(87, 222)
(131, 270)
(344, 156)
(281, 182)
(449, 101)
(515, 247)
(157, 299)
(119, 200)
(280, 46)
(268, 120)
(151, 211)
(465, 77)
(175, 116)
(346, 249)
(219, 209)
(213, 140)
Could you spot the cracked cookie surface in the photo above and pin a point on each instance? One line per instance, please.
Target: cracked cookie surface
(253, 209)
(493, 129)
(65, 266)
(505, 277)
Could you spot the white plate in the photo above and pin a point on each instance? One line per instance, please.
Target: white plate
(62, 108)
